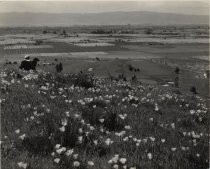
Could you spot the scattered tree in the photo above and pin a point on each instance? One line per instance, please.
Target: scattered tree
(148, 31)
(193, 90)
(177, 70)
(98, 59)
(59, 67)
(130, 67)
(176, 81)
(64, 32)
(134, 78)
(38, 42)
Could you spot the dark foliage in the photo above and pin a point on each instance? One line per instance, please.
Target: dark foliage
(84, 80)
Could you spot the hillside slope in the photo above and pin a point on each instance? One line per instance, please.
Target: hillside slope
(80, 121)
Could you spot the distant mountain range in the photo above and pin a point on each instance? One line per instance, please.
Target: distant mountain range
(107, 18)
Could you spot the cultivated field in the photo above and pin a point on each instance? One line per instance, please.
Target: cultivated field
(116, 104)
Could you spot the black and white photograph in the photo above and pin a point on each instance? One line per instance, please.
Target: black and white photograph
(104, 84)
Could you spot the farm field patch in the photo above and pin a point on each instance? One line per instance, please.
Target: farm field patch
(26, 47)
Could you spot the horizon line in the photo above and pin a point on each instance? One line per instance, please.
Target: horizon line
(103, 12)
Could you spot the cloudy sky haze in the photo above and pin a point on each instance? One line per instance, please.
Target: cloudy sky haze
(199, 7)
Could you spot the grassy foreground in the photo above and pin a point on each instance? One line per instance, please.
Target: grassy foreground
(52, 121)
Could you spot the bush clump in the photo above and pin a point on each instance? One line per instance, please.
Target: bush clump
(84, 80)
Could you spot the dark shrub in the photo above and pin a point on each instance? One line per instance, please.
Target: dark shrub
(177, 70)
(130, 67)
(68, 138)
(112, 122)
(148, 31)
(64, 32)
(187, 123)
(84, 80)
(193, 90)
(59, 67)
(176, 82)
(92, 115)
(122, 77)
(207, 73)
(19, 76)
(38, 145)
(102, 151)
(134, 78)
(38, 42)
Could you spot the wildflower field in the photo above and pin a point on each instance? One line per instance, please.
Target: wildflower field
(79, 121)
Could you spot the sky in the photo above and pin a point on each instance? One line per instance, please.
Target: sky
(198, 7)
